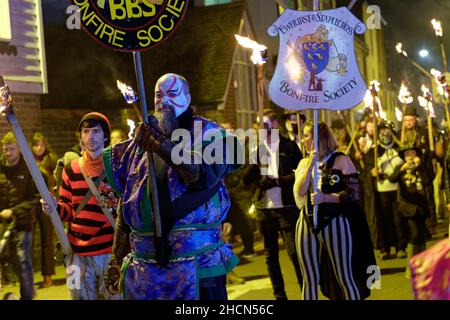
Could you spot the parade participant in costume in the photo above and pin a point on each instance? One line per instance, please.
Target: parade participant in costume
(416, 136)
(392, 226)
(23, 211)
(189, 260)
(412, 198)
(88, 202)
(46, 160)
(240, 202)
(273, 199)
(337, 252)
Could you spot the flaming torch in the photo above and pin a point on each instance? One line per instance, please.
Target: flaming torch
(405, 97)
(130, 97)
(404, 54)
(439, 33)
(425, 101)
(259, 57)
(7, 110)
(444, 91)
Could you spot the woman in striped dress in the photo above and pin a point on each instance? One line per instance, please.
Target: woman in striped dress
(331, 244)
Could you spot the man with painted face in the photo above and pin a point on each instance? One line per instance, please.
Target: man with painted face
(190, 260)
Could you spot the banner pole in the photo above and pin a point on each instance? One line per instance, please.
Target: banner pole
(151, 164)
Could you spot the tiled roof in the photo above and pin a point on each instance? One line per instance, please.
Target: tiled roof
(82, 74)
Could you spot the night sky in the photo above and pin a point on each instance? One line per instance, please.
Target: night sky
(408, 21)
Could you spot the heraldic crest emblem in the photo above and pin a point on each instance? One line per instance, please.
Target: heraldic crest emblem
(316, 66)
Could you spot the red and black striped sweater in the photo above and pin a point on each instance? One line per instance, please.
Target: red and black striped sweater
(90, 232)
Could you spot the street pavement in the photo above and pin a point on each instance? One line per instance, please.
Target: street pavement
(393, 285)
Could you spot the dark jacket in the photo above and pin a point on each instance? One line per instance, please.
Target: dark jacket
(26, 194)
(289, 157)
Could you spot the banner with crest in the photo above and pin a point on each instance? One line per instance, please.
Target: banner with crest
(316, 67)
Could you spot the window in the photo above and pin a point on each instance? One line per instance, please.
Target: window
(5, 21)
(213, 2)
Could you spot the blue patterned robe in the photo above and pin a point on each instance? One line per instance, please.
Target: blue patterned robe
(198, 250)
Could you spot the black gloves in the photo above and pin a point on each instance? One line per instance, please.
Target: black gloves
(268, 183)
(149, 137)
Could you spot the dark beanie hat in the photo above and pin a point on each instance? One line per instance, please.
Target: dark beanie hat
(104, 123)
(97, 116)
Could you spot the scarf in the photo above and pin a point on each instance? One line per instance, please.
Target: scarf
(93, 167)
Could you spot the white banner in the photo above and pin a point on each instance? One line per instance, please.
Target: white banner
(316, 67)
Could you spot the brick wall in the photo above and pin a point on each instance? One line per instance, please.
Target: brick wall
(28, 112)
(229, 112)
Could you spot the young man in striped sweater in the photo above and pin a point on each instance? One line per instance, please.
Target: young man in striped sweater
(91, 216)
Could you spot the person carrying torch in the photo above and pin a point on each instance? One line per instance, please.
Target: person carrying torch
(189, 260)
(416, 136)
(89, 203)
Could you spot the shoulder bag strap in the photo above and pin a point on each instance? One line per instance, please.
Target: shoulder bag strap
(96, 193)
(88, 195)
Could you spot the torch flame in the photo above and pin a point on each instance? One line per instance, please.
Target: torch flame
(442, 85)
(436, 73)
(131, 124)
(375, 85)
(127, 92)
(426, 101)
(368, 99)
(399, 49)
(398, 114)
(257, 48)
(422, 101)
(425, 90)
(404, 96)
(437, 27)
